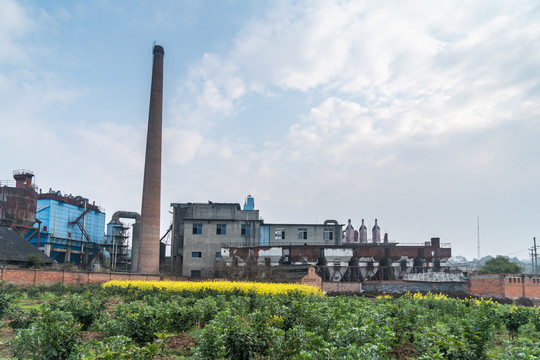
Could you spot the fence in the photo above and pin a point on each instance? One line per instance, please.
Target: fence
(33, 277)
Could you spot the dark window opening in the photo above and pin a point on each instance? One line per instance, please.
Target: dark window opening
(197, 229)
(221, 229)
(328, 234)
(246, 229)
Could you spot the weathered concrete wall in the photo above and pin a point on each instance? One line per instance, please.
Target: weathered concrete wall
(209, 241)
(32, 277)
(412, 286)
(512, 286)
(341, 287)
(289, 233)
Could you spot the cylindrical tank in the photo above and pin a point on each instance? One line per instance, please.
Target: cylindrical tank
(376, 233)
(349, 233)
(362, 233)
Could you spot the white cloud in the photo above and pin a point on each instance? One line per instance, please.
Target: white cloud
(14, 24)
(421, 70)
(181, 145)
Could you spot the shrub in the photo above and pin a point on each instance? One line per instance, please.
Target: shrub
(5, 303)
(51, 337)
(21, 319)
(137, 321)
(84, 308)
(118, 347)
(35, 260)
(514, 317)
(522, 349)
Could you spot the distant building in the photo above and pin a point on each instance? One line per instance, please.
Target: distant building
(201, 230)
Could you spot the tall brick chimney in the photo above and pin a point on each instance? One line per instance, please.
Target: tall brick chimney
(148, 247)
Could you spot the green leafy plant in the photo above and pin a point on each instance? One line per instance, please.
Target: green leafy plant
(85, 308)
(119, 347)
(53, 336)
(21, 319)
(514, 317)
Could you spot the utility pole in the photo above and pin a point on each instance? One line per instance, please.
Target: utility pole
(478, 234)
(534, 256)
(531, 253)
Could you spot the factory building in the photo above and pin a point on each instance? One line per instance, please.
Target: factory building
(202, 230)
(345, 262)
(222, 240)
(18, 203)
(69, 224)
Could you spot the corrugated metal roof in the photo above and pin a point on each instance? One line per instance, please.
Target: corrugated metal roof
(15, 248)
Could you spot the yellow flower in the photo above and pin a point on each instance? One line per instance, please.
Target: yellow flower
(219, 286)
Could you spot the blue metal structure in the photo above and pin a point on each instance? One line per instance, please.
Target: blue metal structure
(67, 224)
(249, 203)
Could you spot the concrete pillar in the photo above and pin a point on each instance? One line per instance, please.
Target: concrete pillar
(148, 254)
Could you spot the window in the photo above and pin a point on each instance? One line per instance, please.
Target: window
(196, 254)
(302, 234)
(221, 229)
(246, 229)
(280, 234)
(218, 254)
(328, 234)
(195, 273)
(197, 229)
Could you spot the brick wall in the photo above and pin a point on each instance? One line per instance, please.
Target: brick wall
(312, 278)
(512, 286)
(486, 285)
(32, 277)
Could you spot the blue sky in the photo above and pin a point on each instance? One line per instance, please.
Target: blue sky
(421, 114)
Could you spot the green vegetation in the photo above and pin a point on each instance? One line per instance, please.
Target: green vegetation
(126, 323)
(35, 260)
(500, 265)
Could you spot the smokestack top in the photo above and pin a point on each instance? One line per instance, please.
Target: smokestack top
(158, 49)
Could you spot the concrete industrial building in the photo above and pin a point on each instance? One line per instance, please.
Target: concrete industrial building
(202, 230)
(222, 240)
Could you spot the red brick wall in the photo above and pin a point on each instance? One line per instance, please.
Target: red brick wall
(486, 285)
(32, 277)
(512, 286)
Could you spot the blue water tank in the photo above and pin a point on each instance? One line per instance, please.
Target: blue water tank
(250, 203)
